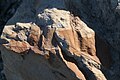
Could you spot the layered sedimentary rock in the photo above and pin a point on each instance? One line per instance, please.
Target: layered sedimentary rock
(57, 40)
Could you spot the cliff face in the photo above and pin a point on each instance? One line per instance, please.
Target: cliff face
(61, 40)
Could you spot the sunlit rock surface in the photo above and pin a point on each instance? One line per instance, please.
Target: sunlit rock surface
(61, 40)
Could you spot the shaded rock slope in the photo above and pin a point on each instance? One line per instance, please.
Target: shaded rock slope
(60, 40)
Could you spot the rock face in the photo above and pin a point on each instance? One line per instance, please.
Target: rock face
(61, 40)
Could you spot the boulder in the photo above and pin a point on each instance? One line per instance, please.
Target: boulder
(45, 40)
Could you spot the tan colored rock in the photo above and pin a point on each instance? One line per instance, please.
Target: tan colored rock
(71, 40)
(17, 46)
(86, 36)
(73, 67)
(59, 46)
(34, 35)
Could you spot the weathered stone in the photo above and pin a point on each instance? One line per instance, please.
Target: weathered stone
(48, 40)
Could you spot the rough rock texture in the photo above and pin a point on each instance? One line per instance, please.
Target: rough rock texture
(104, 18)
(61, 40)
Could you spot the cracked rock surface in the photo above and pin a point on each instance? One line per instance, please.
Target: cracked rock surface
(60, 40)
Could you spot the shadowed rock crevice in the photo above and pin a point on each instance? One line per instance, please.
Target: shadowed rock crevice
(79, 61)
(103, 52)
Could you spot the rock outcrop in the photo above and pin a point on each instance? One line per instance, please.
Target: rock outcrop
(61, 40)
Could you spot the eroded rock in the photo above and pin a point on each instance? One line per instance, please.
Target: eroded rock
(50, 43)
